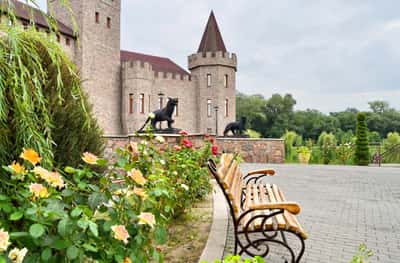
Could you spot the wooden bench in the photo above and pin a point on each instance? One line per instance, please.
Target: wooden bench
(260, 213)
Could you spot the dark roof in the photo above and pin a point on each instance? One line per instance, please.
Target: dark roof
(212, 39)
(159, 64)
(29, 13)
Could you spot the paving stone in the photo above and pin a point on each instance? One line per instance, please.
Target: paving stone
(342, 207)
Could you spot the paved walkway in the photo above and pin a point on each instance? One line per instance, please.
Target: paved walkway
(342, 206)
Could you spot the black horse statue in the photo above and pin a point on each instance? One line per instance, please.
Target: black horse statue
(164, 114)
(236, 128)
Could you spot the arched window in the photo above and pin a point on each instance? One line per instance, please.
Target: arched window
(130, 103)
(226, 81)
(141, 103)
(226, 108)
(208, 80)
(209, 108)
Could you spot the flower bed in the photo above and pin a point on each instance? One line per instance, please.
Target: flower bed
(100, 211)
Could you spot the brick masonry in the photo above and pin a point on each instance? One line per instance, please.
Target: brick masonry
(251, 150)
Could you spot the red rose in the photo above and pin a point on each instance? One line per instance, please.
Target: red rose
(214, 149)
(187, 143)
(212, 140)
(206, 135)
(183, 133)
(177, 148)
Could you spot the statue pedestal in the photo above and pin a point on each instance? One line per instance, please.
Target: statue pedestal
(163, 131)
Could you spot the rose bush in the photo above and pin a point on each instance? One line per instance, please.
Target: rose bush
(102, 211)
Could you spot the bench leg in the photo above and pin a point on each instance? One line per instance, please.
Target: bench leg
(260, 246)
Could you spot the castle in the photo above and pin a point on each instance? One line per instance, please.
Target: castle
(124, 86)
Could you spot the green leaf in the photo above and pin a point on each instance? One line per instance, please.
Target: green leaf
(72, 252)
(46, 254)
(36, 230)
(69, 170)
(18, 234)
(16, 216)
(95, 199)
(160, 235)
(3, 197)
(67, 192)
(89, 247)
(62, 227)
(93, 228)
(60, 244)
(82, 223)
(31, 211)
(76, 212)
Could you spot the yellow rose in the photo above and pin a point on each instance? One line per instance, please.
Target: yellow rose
(38, 191)
(147, 219)
(137, 176)
(89, 158)
(127, 260)
(31, 156)
(4, 240)
(17, 168)
(120, 233)
(16, 255)
(140, 192)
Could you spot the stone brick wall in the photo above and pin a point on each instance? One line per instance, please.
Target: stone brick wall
(251, 150)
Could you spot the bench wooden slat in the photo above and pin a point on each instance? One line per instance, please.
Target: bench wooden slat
(227, 181)
(264, 199)
(279, 218)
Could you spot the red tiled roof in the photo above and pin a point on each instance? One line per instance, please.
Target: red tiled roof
(212, 39)
(28, 13)
(159, 64)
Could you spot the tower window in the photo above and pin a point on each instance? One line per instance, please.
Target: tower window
(176, 111)
(160, 103)
(226, 108)
(208, 80)
(141, 103)
(226, 80)
(108, 22)
(97, 17)
(130, 103)
(67, 41)
(209, 108)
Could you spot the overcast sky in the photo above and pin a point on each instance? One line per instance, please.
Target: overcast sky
(329, 55)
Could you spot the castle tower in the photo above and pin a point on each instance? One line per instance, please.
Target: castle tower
(97, 55)
(214, 71)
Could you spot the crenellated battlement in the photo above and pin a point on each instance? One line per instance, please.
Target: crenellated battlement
(212, 58)
(140, 69)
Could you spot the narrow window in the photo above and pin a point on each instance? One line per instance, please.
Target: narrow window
(130, 103)
(108, 22)
(226, 80)
(226, 112)
(209, 108)
(97, 17)
(208, 80)
(141, 103)
(148, 107)
(67, 41)
(176, 110)
(160, 103)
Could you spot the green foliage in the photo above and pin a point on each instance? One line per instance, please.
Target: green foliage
(290, 138)
(253, 134)
(238, 259)
(327, 145)
(74, 214)
(41, 102)
(362, 255)
(344, 153)
(391, 147)
(374, 137)
(304, 150)
(361, 154)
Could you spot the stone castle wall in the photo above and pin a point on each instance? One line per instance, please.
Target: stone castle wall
(139, 78)
(251, 150)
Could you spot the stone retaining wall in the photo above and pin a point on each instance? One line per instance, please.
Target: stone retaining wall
(251, 150)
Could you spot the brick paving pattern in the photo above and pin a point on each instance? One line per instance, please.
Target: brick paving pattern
(342, 207)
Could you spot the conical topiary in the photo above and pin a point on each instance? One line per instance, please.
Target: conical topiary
(361, 155)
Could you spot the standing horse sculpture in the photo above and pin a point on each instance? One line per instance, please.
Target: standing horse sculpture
(164, 114)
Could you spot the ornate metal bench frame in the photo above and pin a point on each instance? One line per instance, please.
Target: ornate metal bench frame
(258, 246)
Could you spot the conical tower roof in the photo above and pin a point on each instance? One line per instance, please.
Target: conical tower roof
(212, 39)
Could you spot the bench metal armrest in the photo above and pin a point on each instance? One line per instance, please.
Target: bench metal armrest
(291, 207)
(257, 174)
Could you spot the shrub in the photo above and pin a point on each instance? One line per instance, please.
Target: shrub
(238, 259)
(362, 255)
(361, 154)
(290, 138)
(344, 152)
(391, 147)
(80, 215)
(253, 133)
(41, 102)
(327, 145)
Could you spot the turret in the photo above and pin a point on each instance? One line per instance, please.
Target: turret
(214, 71)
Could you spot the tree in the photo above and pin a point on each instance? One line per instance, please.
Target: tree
(42, 105)
(361, 155)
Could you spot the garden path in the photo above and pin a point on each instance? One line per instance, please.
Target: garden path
(342, 206)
